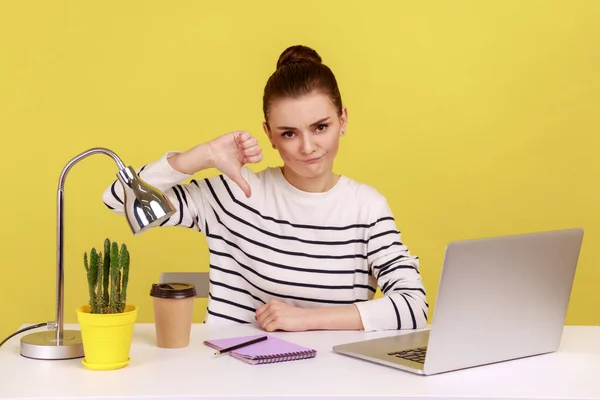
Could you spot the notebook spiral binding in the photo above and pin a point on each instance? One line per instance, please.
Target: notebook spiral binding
(299, 355)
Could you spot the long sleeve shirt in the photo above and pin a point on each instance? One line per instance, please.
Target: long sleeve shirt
(305, 249)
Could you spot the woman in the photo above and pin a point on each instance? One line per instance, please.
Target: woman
(298, 247)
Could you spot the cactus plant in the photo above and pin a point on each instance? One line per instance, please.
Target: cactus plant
(106, 272)
(107, 277)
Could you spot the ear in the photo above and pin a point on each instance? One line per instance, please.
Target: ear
(268, 132)
(344, 119)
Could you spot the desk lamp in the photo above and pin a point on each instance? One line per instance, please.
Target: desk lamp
(145, 207)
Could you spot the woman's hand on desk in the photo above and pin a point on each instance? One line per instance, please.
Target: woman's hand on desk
(276, 315)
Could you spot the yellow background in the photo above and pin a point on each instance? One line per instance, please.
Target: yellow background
(474, 118)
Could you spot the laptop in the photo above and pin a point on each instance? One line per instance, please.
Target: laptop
(499, 299)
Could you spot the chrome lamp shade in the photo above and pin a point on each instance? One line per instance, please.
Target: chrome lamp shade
(144, 206)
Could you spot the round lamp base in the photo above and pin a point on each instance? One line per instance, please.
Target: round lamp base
(43, 345)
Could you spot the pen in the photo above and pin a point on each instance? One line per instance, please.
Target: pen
(237, 346)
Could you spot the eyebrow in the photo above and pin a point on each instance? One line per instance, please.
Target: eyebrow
(319, 122)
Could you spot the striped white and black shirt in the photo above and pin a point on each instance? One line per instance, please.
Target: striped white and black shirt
(306, 249)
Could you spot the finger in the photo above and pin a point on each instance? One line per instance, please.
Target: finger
(272, 326)
(261, 310)
(241, 136)
(251, 141)
(265, 319)
(265, 316)
(253, 159)
(252, 151)
(243, 184)
(273, 322)
(267, 310)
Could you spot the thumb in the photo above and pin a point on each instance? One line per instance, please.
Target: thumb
(242, 183)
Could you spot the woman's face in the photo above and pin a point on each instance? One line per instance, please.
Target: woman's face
(306, 131)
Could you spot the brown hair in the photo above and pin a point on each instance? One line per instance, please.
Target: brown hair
(300, 72)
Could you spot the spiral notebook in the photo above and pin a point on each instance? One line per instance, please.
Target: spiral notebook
(272, 350)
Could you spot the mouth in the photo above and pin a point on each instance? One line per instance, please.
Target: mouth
(312, 160)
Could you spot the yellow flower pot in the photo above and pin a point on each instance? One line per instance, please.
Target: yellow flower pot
(106, 337)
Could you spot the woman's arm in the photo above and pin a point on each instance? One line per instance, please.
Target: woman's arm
(228, 153)
(404, 304)
(185, 197)
(276, 315)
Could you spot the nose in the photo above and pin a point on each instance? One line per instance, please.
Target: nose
(307, 146)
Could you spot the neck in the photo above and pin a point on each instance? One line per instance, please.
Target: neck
(318, 184)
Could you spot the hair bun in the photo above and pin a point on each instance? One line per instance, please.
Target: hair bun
(298, 54)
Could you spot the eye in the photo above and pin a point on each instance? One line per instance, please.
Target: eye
(321, 128)
(287, 134)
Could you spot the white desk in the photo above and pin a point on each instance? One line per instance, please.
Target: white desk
(193, 373)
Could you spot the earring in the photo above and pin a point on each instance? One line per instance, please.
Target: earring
(274, 147)
(342, 133)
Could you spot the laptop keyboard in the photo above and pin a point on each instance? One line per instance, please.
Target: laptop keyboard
(416, 355)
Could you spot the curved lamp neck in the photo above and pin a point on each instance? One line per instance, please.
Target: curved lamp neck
(60, 230)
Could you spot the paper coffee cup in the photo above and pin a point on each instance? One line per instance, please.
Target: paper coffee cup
(173, 308)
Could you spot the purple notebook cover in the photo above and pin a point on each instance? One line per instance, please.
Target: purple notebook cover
(268, 351)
